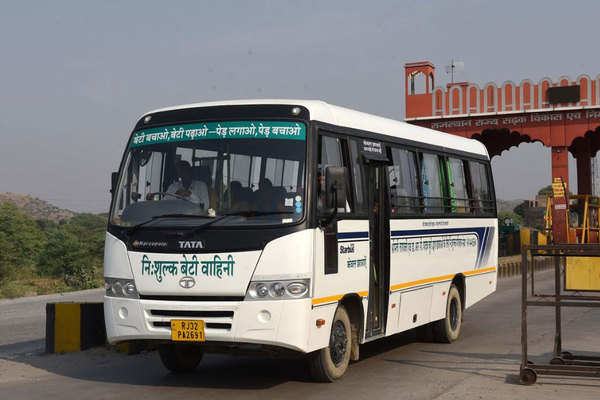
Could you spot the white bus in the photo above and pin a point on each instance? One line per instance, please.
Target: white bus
(293, 225)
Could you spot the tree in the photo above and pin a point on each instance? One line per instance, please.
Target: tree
(545, 191)
(64, 255)
(91, 230)
(520, 209)
(516, 219)
(21, 241)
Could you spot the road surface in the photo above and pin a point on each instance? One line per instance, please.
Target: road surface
(482, 364)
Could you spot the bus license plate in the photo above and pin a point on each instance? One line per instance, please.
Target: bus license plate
(187, 330)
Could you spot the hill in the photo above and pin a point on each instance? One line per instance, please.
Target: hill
(37, 208)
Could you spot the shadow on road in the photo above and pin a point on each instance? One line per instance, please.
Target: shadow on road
(14, 350)
(501, 367)
(215, 371)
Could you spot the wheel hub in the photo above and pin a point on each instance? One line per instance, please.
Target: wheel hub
(453, 314)
(338, 343)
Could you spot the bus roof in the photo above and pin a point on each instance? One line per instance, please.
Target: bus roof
(335, 115)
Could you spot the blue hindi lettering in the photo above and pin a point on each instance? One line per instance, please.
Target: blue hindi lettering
(347, 249)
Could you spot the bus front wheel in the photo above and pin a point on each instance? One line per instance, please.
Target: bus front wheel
(331, 362)
(180, 358)
(447, 330)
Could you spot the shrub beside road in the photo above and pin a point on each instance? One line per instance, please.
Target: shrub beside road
(43, 256)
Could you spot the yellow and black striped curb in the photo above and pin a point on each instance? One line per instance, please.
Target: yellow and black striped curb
(507, 270)
(74, 326)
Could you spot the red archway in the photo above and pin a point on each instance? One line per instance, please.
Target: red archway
(562, 115)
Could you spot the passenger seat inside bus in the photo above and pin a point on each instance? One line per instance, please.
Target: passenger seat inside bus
(202, 173)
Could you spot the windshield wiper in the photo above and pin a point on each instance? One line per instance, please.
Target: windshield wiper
(246, 213)
(134, 228)
(252, 213)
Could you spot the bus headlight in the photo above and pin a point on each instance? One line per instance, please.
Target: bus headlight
(277, 289)
(116, 287)
(283, 289)
(297, 289)
(261, 290)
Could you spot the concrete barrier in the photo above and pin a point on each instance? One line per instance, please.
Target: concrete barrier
(514, 268)
(74, 326)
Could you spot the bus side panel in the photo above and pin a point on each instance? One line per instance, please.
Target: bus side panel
(393, 314)
(352, 276)
(415, 307)
(438, 300)
(480, 286)
(426, 255)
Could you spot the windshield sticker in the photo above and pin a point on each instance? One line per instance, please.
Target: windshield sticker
(287, 220)
(211, 268)
(298, 198)
(289, 202)
(221, 130)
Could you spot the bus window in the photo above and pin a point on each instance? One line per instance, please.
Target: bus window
(431, 184)
(240, 165)
(403, 181)
(331, 155)
(458, 185)
(356, 167)
(481, 189)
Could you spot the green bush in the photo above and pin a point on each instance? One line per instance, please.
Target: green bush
(64, 253)
(31, 250)
(21, 241)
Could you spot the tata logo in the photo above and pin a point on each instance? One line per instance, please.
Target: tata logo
(189, 244)
(187, 282)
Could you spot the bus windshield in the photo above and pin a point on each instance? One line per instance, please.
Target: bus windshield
(235, 172)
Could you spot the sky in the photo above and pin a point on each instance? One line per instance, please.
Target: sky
(76, 75)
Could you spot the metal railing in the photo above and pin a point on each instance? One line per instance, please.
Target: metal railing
(563, 363)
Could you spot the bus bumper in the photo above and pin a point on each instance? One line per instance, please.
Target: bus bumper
(282, 323)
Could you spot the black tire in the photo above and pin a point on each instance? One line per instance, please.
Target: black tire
(447, 330)
(331, 362)
(180, 358)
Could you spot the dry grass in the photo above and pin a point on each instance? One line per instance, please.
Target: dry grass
(31, 285)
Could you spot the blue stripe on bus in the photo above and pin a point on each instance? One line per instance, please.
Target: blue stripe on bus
(483, 237)
(353, 235)
(425, 232)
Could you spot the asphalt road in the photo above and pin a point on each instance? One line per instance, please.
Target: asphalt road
(23, 321)
(483, 363)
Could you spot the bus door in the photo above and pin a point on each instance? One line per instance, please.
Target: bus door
(379, 239)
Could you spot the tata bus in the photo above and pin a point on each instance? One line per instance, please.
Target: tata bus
(294, 226)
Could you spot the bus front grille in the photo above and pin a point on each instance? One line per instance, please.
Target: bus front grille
(189, 313)
(217, 321)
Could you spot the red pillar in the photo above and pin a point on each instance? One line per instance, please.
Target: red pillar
(560, 173)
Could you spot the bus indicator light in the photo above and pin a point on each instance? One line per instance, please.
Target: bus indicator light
(320, 322)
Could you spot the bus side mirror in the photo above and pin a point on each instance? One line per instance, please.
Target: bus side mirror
(114, 180)
(335, 183)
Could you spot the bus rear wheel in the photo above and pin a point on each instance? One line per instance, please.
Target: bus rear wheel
(180, 358)
(331, 362)
(447, 330)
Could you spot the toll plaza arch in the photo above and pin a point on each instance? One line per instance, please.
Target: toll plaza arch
(562, 115)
